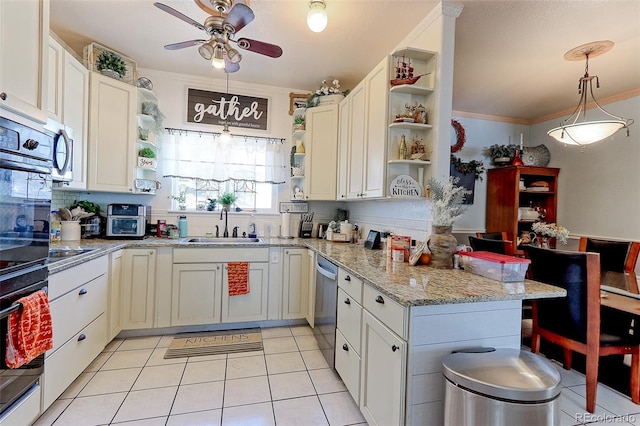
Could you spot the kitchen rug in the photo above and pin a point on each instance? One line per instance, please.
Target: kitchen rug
(214, 343)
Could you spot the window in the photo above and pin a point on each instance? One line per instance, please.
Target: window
(203, 168)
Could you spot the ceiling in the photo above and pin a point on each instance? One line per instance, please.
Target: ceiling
(508, 54)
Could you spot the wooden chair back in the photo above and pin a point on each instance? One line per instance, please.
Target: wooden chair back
(494, 246)
(617, 256)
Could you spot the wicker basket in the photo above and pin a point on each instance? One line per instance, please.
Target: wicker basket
(93, 50)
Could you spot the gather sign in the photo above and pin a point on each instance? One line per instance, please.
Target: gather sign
(216, 108)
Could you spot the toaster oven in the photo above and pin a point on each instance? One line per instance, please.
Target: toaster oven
(126, 221)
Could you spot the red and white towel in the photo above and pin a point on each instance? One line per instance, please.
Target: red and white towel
(29, 330)
(238, 278)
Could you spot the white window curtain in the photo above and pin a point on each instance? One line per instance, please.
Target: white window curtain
(202, 155)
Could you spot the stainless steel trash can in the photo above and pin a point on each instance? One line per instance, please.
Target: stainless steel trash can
(487, 386)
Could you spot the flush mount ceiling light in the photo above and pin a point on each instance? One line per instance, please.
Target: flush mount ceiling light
(317, 17)
(573, 132)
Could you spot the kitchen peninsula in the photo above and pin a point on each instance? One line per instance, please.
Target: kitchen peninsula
(401, 320)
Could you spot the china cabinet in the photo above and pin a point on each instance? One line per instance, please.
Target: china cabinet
(408, 120)
(513, 188)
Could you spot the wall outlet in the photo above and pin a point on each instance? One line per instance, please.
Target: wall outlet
(275, 257)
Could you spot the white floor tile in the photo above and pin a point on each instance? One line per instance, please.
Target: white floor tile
(159, 376)
(92, 410)
(249, 366)
(206, 371)
(127, 359)
(139, 343)
(314, 359)
(206, 358)
(306, 342)
(284, 363)
(299, 411)
(97, 363)
(113, 345)
(291, 385)
(78, 384)
(48, 417)
(165, 341)
(200, 418)
(249, 415)
(157, 358)
(269, 333)
(154, 421)
(341, 409)
(301, 330)
(251, 390)
(245, 354)
(279, 345)
(575, 405)
(198, 397)
(326, 381)
(144, 404)
(111, 381)
(611, 400)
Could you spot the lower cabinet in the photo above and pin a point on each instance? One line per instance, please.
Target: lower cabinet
(195, 293)
(114, 319)
(383, 372)
(295, 283)
(78, 310)
(251, 306)
(138, 288)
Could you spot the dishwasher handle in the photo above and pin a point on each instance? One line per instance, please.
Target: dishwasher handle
(331, 275)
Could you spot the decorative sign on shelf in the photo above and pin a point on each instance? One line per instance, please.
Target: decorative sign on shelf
(405, 186)
(247, 112)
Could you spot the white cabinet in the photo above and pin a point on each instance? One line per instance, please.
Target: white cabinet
(321, 143)
(295, 283)
(68, 104)
(78, 299)
(403, 122)
(196, 291)
(114, 319)
(24, 36)
(343, 148)
(383, 373)
(138, 288)
(112, 135)
(367, 135)
(251, 306)
(311, 287)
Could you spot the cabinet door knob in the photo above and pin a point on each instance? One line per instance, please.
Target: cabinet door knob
(151, 252)
(286, 252)
(345, 347)
(82, 291)
(347, 301)
(395, 348)
(342, 196)
(379, 299)
(3, 96)
(347, 278)
(81, 337)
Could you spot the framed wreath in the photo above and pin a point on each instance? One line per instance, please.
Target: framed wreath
(460, 136)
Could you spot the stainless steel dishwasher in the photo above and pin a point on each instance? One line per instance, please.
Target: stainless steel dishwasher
(326, 308)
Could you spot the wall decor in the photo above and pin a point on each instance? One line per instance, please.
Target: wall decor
(218, 108)
(536, 155)
(460, 136)
(297, 100)
(405, 186)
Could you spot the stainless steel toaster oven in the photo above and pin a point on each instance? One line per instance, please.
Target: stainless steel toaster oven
(126, 221)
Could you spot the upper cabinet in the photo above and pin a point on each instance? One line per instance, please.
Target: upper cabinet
(412, 77)
(24, 37)
(68, 103)
(321, 146)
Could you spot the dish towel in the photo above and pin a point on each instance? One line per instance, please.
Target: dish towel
(29, 331)
(238, 278)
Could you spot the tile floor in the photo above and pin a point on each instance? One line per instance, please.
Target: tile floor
(287, 383)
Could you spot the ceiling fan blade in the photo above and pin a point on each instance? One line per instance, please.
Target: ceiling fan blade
(183, 44)
(179, 15)
(261, 47)
(229, 67)
(239, 16)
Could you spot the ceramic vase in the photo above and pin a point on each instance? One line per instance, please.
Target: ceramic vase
(442, 245)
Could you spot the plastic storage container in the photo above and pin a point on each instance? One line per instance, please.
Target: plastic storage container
(500, 387)
(495, 266)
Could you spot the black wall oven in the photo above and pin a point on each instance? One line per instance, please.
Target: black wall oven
(25, 207)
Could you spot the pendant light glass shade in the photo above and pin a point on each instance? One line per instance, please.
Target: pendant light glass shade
(574, 132)
(317, 17)
(218, 58)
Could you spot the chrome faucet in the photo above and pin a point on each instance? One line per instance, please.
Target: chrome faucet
(225, 234)
(217, 231)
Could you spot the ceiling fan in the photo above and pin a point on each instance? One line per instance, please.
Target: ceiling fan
(226, 19)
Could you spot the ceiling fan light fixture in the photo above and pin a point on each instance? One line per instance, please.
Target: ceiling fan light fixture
(317, 17)
(206, 51)
(218, 58)
(574, 132)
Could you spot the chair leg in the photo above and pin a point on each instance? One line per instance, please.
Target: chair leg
(592, 382)
(568, 358)
(635, 380)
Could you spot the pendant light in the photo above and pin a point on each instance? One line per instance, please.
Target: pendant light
(225, 136)
(573, 132)
(317, 17)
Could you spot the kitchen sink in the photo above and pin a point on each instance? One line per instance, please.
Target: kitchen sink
(222, 240)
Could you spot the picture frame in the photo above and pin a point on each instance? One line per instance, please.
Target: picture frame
(297, 100)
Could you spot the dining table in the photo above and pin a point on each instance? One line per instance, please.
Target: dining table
(619, 290)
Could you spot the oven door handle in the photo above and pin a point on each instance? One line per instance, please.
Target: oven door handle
(17, 306)
(31, 168)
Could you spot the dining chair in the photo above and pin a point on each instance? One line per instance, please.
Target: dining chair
(492, 235)
(617, 256)
(573, 322)
(494, 246)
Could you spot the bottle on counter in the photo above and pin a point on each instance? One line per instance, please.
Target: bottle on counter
(182, 226)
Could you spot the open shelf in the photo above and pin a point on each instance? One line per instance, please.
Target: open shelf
(410, 162)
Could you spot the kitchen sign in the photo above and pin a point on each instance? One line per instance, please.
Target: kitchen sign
(405, 186)
(217, 108)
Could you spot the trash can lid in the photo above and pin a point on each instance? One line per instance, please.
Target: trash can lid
(509, 374)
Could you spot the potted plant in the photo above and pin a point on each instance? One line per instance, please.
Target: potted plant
(227, 199)
(298, 122)
(111, 65)
(501, 154)
(327, 94)
(147, 153)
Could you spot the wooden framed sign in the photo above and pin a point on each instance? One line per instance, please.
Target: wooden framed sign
(216, 108)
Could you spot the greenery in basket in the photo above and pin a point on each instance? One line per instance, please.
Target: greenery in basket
(299, 119)
(473, 166)
(227, 198)
(110, 61)
(147, 153)
(501, 151)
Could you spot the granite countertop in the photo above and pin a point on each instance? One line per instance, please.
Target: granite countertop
(408, 285)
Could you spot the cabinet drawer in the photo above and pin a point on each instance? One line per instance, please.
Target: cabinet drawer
(73, 311)
(25, 411)
(348, 366)
(349, 319)
(226, 254)
(66, 363)
(389, 312)
(67, 280)
(350, 284)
